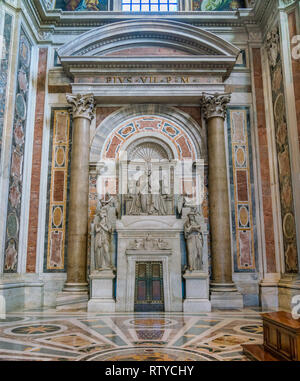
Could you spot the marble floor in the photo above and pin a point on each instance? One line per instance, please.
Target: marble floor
(49, 335)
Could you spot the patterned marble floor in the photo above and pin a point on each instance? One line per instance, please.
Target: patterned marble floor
(48, 335)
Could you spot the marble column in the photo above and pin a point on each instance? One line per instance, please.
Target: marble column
(223, 290)
(75, 291)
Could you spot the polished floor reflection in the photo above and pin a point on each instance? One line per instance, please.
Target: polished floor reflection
(49, 335)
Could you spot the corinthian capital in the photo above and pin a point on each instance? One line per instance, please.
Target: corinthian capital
(83, 106)
(214, 105)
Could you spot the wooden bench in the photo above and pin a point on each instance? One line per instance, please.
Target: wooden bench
(281, 339)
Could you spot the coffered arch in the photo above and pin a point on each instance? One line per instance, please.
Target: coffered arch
(118, 120)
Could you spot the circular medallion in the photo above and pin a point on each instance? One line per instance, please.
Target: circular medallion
(36, 329)
(57, 216)
(170, 130)
(151, 322)
(150, 354)
(126, 130)
(60, 156)
(289, 226)
(244, 216)
(240, 157)
(256, 329)
(12, 225)
(21, 106)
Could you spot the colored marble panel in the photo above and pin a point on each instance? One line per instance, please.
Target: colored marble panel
(184, 147)
(4, 66)
(242, 184)
(17, 154)
(56, 249)
(113, 147)
(58, 192)
(58, 186)
(245, 248)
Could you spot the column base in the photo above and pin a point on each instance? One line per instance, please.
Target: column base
(71, 301)
(75, 287)
(226, 296)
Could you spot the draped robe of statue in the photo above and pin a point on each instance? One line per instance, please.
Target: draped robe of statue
(141, 195)
(103, 232)
(194, 243)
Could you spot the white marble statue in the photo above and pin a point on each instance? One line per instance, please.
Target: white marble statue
(102, 241)
(144, 201)
(194, 242)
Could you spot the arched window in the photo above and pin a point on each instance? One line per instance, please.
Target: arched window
(150, 5)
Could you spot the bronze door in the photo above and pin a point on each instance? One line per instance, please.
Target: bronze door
(149, 295)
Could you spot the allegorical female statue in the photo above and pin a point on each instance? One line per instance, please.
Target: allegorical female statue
(194, 242)
(102, 242)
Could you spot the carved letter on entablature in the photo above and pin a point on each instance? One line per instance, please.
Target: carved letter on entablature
(214, 105)
(83, 106)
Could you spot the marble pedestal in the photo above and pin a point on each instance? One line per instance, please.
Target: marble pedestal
(197, 292)
(101, 292)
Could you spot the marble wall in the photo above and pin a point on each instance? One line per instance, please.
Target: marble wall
(294, 41)
(4, 67)
(36, 161)
(58, 189)
(17, 155)
(242, 189)
(264, 163)
(283, 154)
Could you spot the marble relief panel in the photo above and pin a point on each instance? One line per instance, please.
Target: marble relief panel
(17, 156)
(58, 182)
(4, 67)
(283, 155)
(241, 187)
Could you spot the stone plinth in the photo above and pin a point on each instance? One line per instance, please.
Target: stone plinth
(197, 292)
(226, 300)
(101, 292)
(71, 301)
